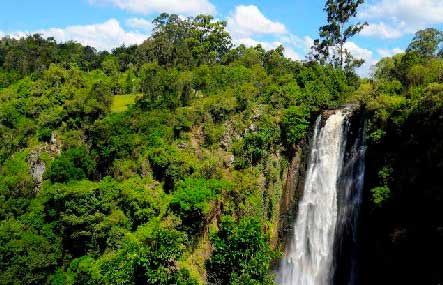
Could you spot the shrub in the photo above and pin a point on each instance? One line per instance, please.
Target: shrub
(295, 124)
(241, 253)
(192, 201)
(73, 164)
(380, 195)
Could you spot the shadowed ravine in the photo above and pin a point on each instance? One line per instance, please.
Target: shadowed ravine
(323, 246)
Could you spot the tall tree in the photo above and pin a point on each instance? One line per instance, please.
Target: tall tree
(427, 43)
(330, 48)
(187, 42)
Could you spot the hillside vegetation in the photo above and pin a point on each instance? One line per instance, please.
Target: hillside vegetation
(402, 229)
(179, 180)
(181, 187)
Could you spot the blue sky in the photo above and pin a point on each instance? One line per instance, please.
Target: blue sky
(106, 24)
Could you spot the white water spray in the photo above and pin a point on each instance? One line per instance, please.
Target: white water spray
(310, 259)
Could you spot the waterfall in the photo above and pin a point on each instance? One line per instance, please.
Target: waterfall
(327, 212)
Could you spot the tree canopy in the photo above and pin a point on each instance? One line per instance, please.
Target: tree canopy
(330, 48)
(185, 184)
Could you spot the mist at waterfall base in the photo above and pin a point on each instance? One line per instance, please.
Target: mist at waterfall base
(323, 246)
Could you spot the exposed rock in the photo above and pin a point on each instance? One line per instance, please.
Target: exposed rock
(197, 140)
(229, 135)
(55, 147)
(253, 128)
(229, 160)
(257, 112)
(292, 191)
(53, 138)
(154, 185)
(348, 108)
(182, 145)
(37, 168)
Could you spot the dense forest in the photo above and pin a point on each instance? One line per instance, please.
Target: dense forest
(402, 229)
(165, 162)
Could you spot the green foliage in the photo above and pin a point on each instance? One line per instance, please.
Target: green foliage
(169, 166)
(95, 216)
(44, 135)
(388, 68)
(27, 256)
(132, 183)
(159, 86)
(188, 42)
(376, 135)
(194, 199)
(34, 54)
(129, 194)
(73, 164)
(295, 124)
(110, 65)
(380, 195)
(120, 103)
(257, 143)
(241, 253)
(426, 42)
(147, 257)
(335, 34)
(403, 166)
(16, 186)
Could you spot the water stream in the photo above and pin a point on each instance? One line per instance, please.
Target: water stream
(328, 209)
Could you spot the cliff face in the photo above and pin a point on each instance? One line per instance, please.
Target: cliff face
(349, 199)
(399, 240)
(292, 191)
(401, 234)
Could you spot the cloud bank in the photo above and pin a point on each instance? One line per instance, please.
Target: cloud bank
(140, 24)
(246, 21)
(102, 36)
(184, 7)
(393, 19)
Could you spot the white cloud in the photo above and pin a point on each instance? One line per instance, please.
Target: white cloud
(401, 17)
(268, 45)
(250, 42)
(292, 54)
(103, 36)
(296, 42)
(359, 52)
(246, 21)
(138, 23)
(414, 11)
(389, 52)
(15, 35)
(185, 7)
(293, 44)
(308, 43)
(384, 30)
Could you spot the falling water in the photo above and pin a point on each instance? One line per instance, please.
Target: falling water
(327, 206)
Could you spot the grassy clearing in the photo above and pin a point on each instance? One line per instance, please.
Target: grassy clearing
(120, 103)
